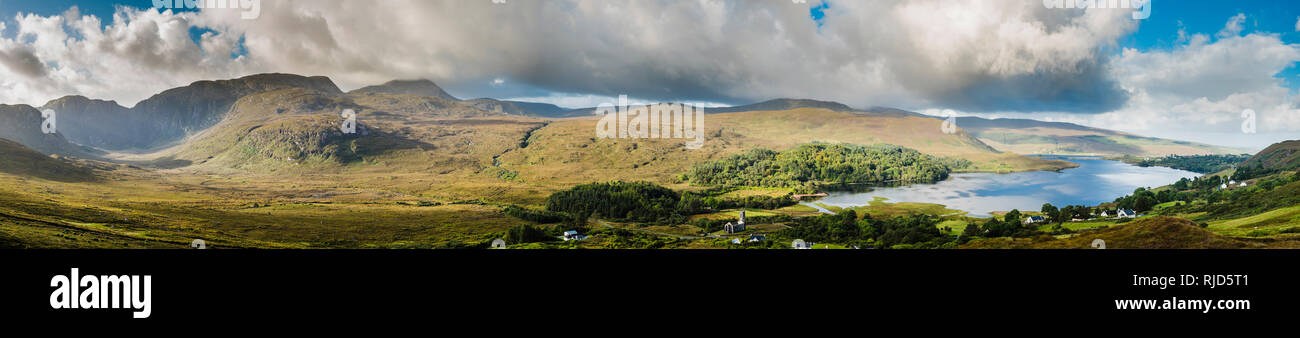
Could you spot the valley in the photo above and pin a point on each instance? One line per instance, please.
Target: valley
(260, 162)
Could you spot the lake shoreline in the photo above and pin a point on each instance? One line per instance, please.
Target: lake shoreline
(1091, 182)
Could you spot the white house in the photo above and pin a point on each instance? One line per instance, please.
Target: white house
(757, 238)
(573, 236)
(800, 244)
(1035, 219)
(1126, 213)
(1104, 213)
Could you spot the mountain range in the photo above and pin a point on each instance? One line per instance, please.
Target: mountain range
(173, 116)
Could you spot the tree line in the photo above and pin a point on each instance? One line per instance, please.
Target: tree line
(807, 166)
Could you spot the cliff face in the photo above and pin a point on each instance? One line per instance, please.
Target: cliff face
(170, 115)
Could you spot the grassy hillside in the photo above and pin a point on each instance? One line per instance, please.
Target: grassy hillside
(567, 152)
(16, 159)
(1148, 233)
(170, 115)
(1036, 137)
(1277, 157)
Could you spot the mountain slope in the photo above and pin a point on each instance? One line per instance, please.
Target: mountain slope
(16, 159)
(1280, 156)
(408, 87)
(524, 108)
(172, 114)
(96, 123)
(568, 152)
(1038, 137)
(783, 104)
(22, 124)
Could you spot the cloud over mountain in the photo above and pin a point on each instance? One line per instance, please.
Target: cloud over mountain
(975, 56)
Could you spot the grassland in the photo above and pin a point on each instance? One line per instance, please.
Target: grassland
(276, 174)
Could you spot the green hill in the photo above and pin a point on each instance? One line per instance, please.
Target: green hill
(19, 160)
(1280, 156)
(1148, 233)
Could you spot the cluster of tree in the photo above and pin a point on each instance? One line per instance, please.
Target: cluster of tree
(1010, 225)
(638, 202)
(538, 216)
(700, 202)
(621, 201)
(1143, 200)
(1200, 183)
(1202, 164)
(1249, 172)
(1066, 213)
(531, 234)
(809, 165)
(915, 231)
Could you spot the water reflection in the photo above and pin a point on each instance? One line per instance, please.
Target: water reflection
(1095, 181)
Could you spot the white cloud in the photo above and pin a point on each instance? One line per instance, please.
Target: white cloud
(970, 55)
(140, 54)
(1233, 27)
(906, 53)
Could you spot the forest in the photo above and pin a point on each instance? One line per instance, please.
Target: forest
(903, 232)
(808, 166)
(640, 202)
(1201, 164)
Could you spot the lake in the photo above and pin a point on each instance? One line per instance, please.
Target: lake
(1095, 181)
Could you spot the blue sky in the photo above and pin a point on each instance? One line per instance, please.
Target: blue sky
(1160, 31)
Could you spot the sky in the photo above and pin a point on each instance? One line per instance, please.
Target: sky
(1189, 71)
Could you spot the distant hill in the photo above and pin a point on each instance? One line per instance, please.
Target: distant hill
(408, 87)
(22, 124)
(783, 104)
(1280, 156)
(526, 108)
(1026, 136)
(16, 159)
(96, 123)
